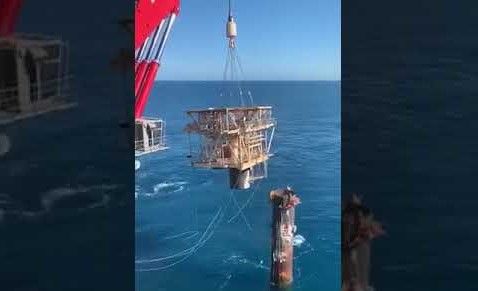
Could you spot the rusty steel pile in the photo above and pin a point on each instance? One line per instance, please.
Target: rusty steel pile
(359, 228)
(283, 202)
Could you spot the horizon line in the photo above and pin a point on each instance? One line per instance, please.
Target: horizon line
(256, 80)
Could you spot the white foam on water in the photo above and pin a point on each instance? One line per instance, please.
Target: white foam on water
(137, 189)
(169, 187)
(298, 240)
(161, 189)
(52, 196)
(241, 260)
(103, 202)
(304, 247)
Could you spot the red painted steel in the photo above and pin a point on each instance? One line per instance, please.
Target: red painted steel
(148, 15)
(145, 89)
(139, 77)
(9, 11)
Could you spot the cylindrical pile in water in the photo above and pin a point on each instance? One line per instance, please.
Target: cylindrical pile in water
(283, 230)
(358, 230)
(240, 179)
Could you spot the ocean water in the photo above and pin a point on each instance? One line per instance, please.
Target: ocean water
(409, 140)
(185, 238)
(66, 205)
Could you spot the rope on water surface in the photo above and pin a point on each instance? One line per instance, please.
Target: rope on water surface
(214, 223)
(192, 232)
(177, 262)
(196, 246)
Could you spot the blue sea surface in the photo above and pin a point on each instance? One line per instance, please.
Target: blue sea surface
(409, 142)
(66, 205)
(186, 241)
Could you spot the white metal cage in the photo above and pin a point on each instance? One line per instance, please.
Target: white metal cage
(34, 77)
(149, 135)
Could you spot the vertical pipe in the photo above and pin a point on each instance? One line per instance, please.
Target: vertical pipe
(142, 97)
(162, 43)
(136, 53)
(154, 41)
(358, 230)
(140, 69)
(139, 56)
(270, 140)
(143, 88)
(283, 228)
(139, 77)
(163, 128)
(239, 179)
(145, 47)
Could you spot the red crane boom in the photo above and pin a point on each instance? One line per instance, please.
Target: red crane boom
(9, 11)
(153, 22)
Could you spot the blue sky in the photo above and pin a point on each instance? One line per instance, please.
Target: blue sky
(277, 40)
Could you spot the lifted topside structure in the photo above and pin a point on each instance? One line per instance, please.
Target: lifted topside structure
(234, 138)
(237, 139)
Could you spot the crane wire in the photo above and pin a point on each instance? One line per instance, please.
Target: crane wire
(186, 253)
(234, 73)
(243, 76)
(212, 223)
(189, 254)
(226, 66)
(233, 64)
(245, 204)
(240, 210)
